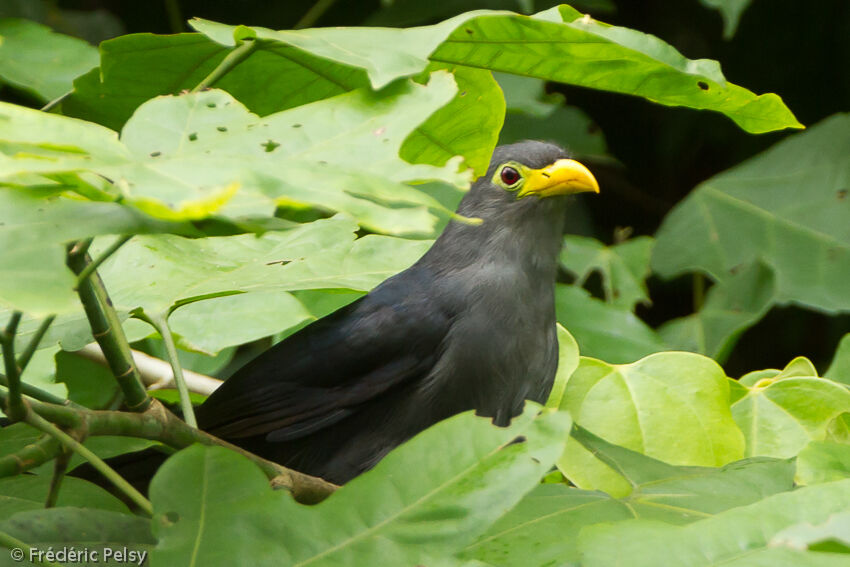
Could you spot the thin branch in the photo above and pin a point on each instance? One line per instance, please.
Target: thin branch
(315, 12)
(31, 456)
(90, 268)
(38, 393)
(175, 19)
(11, 542)
(231, 60)
(161, 325)
(72, 444)
(15, 408)
(60, 465)
(107, 330)
(31, 347)
(156, 374)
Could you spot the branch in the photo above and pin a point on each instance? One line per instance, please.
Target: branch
(31, 347)
(11, 542)
(72, 444)
(29, 457)
(88, 270)
(60, 466)
(156, 374)
(107, 330)
(15, 408)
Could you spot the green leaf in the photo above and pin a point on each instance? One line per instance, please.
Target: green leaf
(839, 368)
(736, 538)
(543, 528)
(832, 535)
(671, 406)
(756, 212)
(500, 41)
(823, 461)
(568, 359)
(97, 531)
(730, 308)
(602, 330)
(29, 492)
(624, 267)
(731, 10)
(321, 254)
(89, 384)
(35, 59)
(427, 499)
(780, 415)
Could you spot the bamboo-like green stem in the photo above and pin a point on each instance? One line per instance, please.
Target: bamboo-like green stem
(29, 457)
(230, 61)
(72, 444)
(31, 347)
(107, 330)
(95, 264)
(10, 542)
(315, 12)
(39, 394)
(60, 465)
(160, 322)
(15, 408)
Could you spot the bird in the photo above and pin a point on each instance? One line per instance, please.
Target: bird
(470, 326)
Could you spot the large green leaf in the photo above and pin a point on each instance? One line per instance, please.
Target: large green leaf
(624, 267)
(559, 44)
(823, 461)
(739, 537)
(603, 330)
(730, 308)
(29, 492)
(192, 156)
(36, 60)
(787, 207)
(779, 415)
(543, 528)
(672, 406)
(423, 502)
(99, 532)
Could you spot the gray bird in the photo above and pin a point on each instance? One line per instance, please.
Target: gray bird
(471, 325)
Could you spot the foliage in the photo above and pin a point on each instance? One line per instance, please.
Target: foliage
(239, 182)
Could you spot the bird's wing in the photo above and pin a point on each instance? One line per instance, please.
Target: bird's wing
(329, 369)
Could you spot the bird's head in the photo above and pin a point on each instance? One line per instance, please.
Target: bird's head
(521, 181)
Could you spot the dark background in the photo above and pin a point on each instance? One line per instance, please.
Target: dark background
(796, 49)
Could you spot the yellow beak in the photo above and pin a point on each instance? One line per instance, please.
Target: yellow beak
(563, 177)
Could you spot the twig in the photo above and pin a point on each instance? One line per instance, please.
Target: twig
(315, 12)
(156, 374)
(175, 20)
(91, 267)
(15, 408)
(38, 393)
(230, 61)
(72, 444)
(31, 347)
(107, 330)
(161, 324)
(60, 465)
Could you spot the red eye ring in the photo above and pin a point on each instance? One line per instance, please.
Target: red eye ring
(509, 175)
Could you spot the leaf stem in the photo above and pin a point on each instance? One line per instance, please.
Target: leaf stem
(60, 465)
(160, 323)
(37, 393)
(107, 330)
(31, 347)
(315, 12)
(90, 268)
(15, 407)
(72, 444)
(230, 61)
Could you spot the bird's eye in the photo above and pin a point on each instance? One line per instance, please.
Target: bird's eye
(509, 175)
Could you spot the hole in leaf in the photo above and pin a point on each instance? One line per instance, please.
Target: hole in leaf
(210, 105)
(270, 145)
(221, 129)
(172, 517)
(469, 31)
(842, 194)
(193, 136)
(296, 125)
(156, 154)
(463, 93)
(703, 85)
